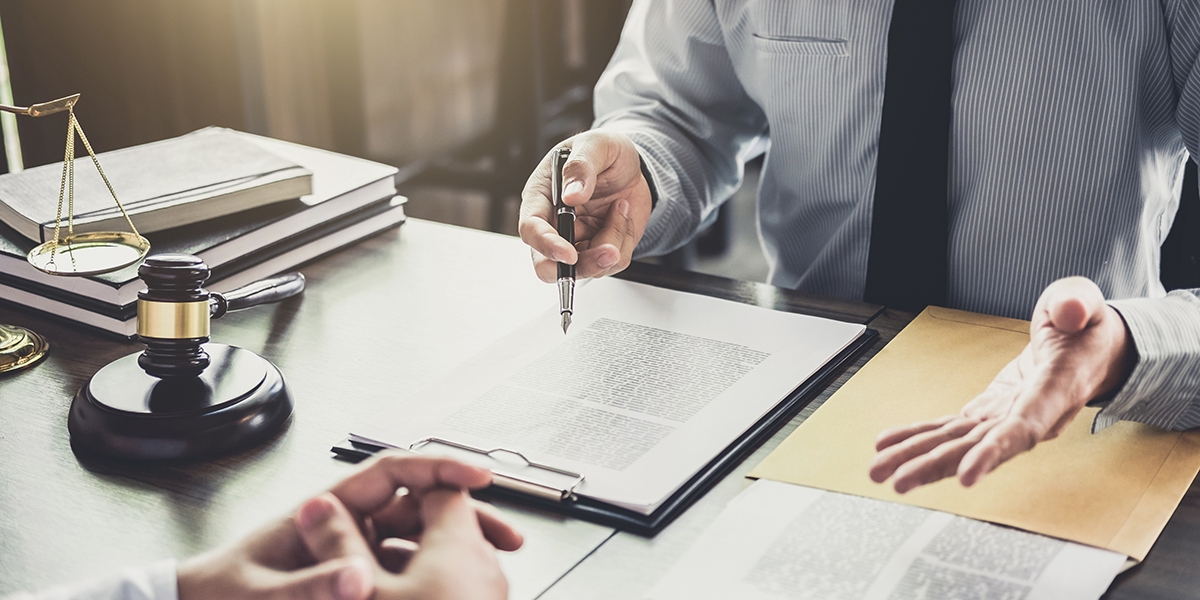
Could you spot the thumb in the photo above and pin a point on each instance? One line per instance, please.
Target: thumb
(591, 154)
(1073, 303)
(349, 578)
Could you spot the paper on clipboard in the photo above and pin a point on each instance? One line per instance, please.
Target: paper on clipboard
(647, 388)
(1115, 489)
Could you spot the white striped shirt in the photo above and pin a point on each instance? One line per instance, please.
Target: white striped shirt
(1071, 124)
(155, 581)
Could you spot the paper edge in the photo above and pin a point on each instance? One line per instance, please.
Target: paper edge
(970, 318)
(1157, 497)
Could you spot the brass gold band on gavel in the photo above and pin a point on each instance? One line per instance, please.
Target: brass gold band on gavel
(173, 320)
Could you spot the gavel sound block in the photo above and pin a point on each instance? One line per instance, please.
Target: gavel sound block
(183, 398)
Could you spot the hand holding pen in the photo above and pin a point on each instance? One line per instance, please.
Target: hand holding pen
(602, 180)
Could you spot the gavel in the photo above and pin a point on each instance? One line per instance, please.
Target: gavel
(174, 312)
(183, 397)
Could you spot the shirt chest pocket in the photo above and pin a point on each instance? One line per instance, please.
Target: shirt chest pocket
(817, 27)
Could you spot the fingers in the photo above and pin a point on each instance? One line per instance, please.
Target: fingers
(890, 459)
(601, 168)
(1008, 439)
(537, 232)
(1032, 399)
(395, 553)
(591, 154)
(966, 447)
(611, 249)
(329, 530)
(375, 485)
(454, 559)
(350, 578)
(535, 224)
(402, 519)
(496, 530)
(449, 518)
(545, 268)
(895, 435)
(939, 463)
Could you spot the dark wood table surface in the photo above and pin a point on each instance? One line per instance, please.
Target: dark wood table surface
(378, 321)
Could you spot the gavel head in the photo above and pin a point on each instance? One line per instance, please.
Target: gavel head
(173, 315)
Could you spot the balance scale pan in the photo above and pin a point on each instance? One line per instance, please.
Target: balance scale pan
(89, 253)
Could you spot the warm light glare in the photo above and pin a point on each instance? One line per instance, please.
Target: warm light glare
(8, 121)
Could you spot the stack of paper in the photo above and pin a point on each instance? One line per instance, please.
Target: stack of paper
(777, 540)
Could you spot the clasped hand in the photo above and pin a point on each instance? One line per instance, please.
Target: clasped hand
(1079, 349)
(401, 528)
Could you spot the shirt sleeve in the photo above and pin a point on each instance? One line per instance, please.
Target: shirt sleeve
(671, 88)
(1164, 388)
(152, 582)
(1182, 20)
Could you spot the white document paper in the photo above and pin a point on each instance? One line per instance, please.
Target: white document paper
(648, 386)
(778, 540)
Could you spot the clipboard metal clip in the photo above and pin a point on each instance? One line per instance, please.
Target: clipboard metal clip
(512, 481)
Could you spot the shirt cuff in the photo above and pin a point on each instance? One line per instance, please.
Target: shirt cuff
(672, 220)
(649, 177)
(1164, 388)
(152, 582)
(668, 215)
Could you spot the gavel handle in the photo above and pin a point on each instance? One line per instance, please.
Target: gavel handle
(264, 291)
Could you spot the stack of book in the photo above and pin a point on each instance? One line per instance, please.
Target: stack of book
(249, 206)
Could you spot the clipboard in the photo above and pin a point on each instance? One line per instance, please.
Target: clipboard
(561, 499)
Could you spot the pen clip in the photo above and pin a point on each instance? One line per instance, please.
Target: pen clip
(558, 160)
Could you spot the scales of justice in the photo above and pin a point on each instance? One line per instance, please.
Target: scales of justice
(182, 397)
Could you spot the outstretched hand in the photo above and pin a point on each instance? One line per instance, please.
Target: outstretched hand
(1079, 349)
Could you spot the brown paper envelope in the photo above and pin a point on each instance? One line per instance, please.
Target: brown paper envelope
(1115, 489)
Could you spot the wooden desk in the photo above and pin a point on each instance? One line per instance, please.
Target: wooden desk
(378, 321)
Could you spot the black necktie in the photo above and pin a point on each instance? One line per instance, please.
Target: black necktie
(906, 266)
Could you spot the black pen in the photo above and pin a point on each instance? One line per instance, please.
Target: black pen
(565, 217)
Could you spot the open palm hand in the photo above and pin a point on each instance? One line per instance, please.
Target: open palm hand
(1079, 349)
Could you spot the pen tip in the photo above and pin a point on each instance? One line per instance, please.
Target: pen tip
(566, 321)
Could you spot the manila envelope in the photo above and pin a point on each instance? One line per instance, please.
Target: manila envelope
(1115, 489)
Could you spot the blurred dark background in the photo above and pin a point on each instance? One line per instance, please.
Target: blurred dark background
(416, 83)
(464, 95)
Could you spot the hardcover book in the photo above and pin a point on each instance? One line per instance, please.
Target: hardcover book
(340, 185)
(171, 183)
